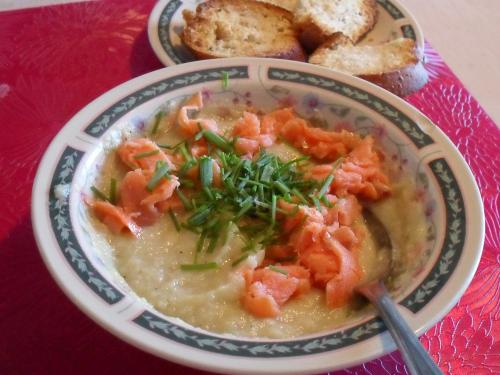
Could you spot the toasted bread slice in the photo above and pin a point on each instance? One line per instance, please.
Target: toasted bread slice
(230, 28)
(317, 20)
(289, 5)
(393, 65)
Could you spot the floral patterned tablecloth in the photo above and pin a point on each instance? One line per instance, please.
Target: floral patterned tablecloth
(53, 61)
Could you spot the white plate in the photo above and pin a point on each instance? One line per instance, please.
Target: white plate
(166, 24)
(455, 215)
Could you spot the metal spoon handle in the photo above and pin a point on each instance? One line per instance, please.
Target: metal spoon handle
(415, 356)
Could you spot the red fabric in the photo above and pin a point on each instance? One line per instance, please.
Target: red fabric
(53, 61)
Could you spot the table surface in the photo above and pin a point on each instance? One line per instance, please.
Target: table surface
(53, 61)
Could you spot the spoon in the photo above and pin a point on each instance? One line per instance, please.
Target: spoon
(415, 356)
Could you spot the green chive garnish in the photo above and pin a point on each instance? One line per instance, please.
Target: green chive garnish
(240, 259)
(299, 195)
(325, 186)
(185, 154)
(217, 140)
(225, 80)
(200, 216)
(267, 173)
(316, 202)
(281, 186)
(279, 270)
(158, 117)
(201, 242)
(212, 244)
(145, 154)
(99, 194)
(199, 266)
(174, 220)
(206, 171)
(246, 205)
(185, 202)
(160, 172)
(273, 209)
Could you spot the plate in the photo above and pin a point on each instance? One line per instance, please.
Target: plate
(453, 207)
(166, 24)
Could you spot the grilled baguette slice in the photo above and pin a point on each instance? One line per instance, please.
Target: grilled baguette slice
(230, 28)
(317, 20)
(394, 65)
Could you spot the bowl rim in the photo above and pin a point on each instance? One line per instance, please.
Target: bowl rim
(160, 48)
(81, 295)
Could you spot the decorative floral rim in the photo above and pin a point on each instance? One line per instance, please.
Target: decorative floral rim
(170, 8)
(61, 223)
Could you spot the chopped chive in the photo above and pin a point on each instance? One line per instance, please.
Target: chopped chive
(240, 259)
(201, 242)
(273, 209)
(112, 191)
(199, 266)
(277, 269)
(160, 172)
(185, 154)
(168, 147)
(326, 202)
(299, 195)
(245, 206)
(198, 135)
(325, 186)
(185, 202)
(316, 202)
(206, 171)
(297, 160)
(145, 154)
(267, 172)
(262, 204)
(200, 216)
(281, 186)
(158, 117)
(217, 140)
(212, 244)
(208, 193)
(225, 80)
(99, 194)
(174, 220)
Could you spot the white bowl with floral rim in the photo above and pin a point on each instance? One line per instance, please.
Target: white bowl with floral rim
(166, 23)
(453, 207)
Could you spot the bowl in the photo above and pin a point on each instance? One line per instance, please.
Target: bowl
(166, 23)
(86, 273)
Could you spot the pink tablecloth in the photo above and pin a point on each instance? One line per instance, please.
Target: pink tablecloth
(53, 61)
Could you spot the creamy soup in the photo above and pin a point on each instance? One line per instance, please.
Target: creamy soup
(211, 299)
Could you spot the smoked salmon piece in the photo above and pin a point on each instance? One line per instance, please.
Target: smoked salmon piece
(139, 202)
(272, 122)
(270, 288)
(339, 289)
(361, 173)
(250, 135)
(114, 218)
(189, 126)
(322, 144)
(142, 153)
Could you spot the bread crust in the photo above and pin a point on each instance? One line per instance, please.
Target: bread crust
(312, 34)
(403, 81)
(203, 17)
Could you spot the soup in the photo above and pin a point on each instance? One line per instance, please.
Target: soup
(288, 242)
